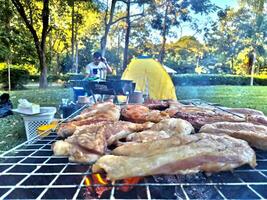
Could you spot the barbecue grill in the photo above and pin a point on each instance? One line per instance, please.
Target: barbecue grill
(30, 171)
(109, 87)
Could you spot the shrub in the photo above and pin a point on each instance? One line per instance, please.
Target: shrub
(35, 78)
(18, 77)
(30, 68)
(51, 77)
(214, 79)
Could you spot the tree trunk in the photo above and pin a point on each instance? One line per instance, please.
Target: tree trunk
(51, 53)
(108, 24)
(43, 66)
(103, 41)
(76, 47)
(39, 45)
(118, 44)
(72, 38)
(7, 19)
(164, 33)
(127, 37)
(76, 57)
(43, 78)
(58, 63)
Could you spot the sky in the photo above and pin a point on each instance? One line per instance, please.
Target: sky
(225, 3)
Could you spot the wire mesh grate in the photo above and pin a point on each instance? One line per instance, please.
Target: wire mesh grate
(30, 171)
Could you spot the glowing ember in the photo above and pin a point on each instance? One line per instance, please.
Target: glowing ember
(128, 183)
(97, 179)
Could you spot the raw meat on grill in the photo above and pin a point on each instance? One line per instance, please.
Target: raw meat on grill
(176, 107)
(157, 104)
(123, 126)
(198, 119)
(199, 116)
(105, 110)
(203, 152)
(148, 135)
(67, 129)
(257, 119)
(86, 145)
(90, 141)
(121, 129)
(173, 126)
(255, 135)
(164, 129)
(141, 114)
(245, 111)
(135, 149)
(102, 112)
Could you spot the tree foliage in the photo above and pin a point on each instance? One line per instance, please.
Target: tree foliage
(55, 36)
(234, 36)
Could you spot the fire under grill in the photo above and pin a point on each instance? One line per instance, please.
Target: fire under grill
(30, 171)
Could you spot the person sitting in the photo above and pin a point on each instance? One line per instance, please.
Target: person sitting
(98, 68)
(5, 105)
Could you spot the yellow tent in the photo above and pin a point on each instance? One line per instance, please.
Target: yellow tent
(150, 76)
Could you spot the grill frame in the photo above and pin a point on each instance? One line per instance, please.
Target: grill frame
(29, 159)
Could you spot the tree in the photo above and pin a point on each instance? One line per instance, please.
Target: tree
(172, 13)
(39, 41)
(184, 54)
(87, 22)
(234, 35)
(129, 19)
(108, 22)
(257, 8)
(110, 19)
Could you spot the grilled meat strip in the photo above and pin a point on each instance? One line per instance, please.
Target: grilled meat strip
(67, 129)
(173, 126)
(164, 129)
(202, 152)
(255, 135)
(121, 129)
(142, 114)
(257, 119)
(106, 110)
(199, 116)
(157, 104)
(90, 141)
(147, 135)
(145, 149)
(245, 111)
(102, 112)
(178, 107)
(86, 145)
(198, 119)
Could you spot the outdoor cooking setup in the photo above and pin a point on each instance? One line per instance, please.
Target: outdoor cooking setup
(103, 87)
(32, 171)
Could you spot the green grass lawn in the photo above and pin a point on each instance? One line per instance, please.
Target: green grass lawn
(232, 96)
(12, 128)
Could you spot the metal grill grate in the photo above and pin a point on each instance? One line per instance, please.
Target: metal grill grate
(30, 171)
